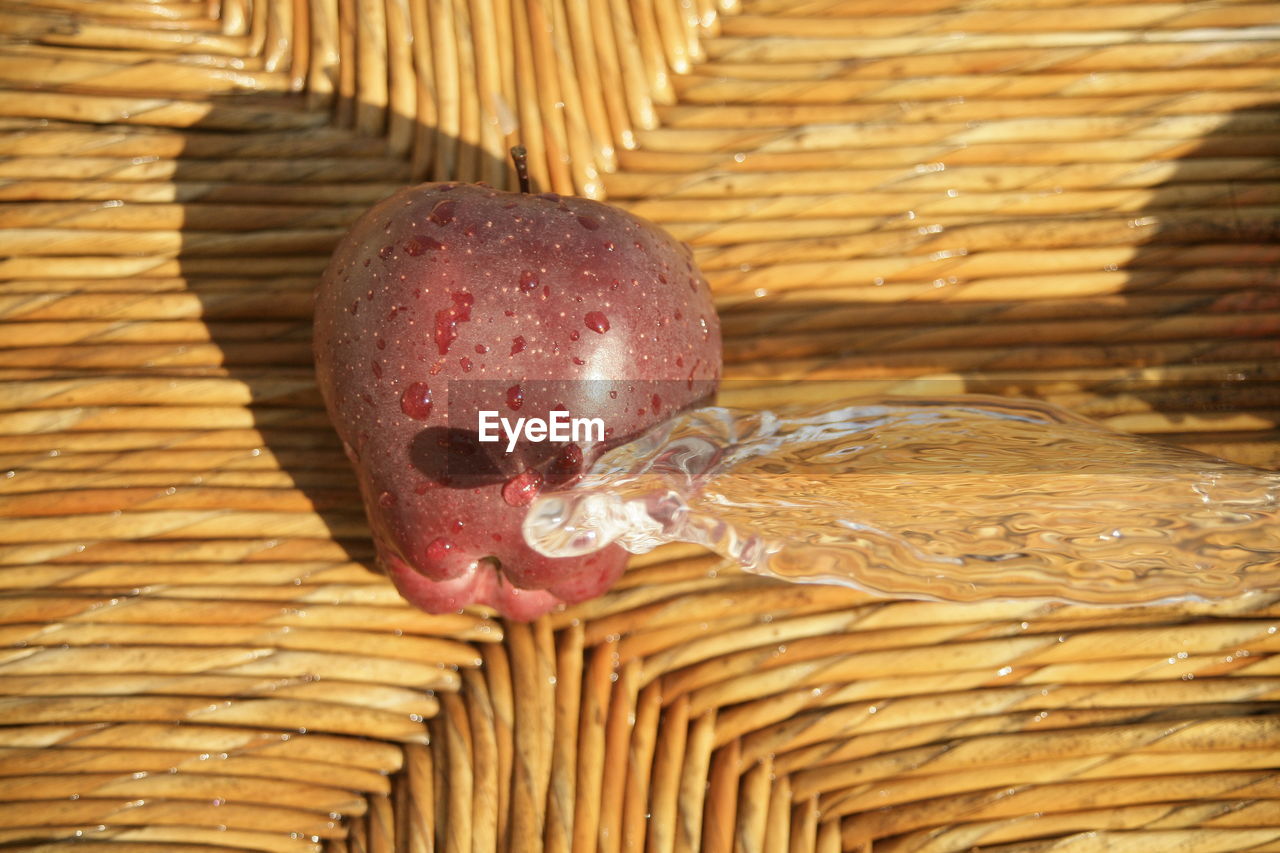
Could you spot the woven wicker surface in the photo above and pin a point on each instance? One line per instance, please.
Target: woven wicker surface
(1020, 196)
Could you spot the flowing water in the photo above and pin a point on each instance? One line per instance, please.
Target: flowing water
(957, 498)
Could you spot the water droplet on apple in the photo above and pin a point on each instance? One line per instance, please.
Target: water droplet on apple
(517, 344)
(528, 281)
(420, 244)
(465, 364)
(380, 343)
(566, 466)
(447, 320)
(481, 349)
(387, 252)
(416, 401)
(439, 549)
(377, 370)
(387, 500)
(656, 404)
(570, 458)
(515, 397)
(588, 223)
(442, 213)
(597, 322)
(521, 489)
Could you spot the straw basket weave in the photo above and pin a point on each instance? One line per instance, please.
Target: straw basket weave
(1040, 197)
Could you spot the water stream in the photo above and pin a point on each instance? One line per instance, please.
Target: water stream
(955, 498)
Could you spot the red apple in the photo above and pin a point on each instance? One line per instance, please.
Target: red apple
(446, 300)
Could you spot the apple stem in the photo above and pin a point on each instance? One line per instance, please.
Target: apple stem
(520, 156)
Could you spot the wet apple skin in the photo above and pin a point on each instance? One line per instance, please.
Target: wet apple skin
(442, 300)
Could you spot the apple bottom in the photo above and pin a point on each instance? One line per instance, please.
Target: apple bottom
(575, 579)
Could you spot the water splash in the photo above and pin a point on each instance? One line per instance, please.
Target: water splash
(957, 498)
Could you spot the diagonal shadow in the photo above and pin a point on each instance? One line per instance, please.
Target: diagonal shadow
(1174, 331)
(262, 210)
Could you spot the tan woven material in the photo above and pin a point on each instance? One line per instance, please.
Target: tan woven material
(1071, 200)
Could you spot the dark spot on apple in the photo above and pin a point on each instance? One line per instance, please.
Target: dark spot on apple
(377, 369)
(528, 281)
(588, 223)
(386, 500)
(380, 344)
(457, 459)
(656, 404)
(416, 401)
(387, 252)
(597, 322)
